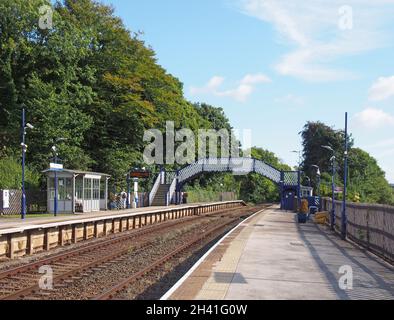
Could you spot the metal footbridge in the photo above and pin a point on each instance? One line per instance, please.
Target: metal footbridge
(173, 182)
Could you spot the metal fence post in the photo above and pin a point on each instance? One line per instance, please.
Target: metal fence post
(333, 211)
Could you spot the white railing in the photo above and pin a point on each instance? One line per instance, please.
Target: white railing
(155, 188)
(171, 193)
(236, 165)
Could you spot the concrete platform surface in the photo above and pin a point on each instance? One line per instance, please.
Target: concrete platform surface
(271, 257)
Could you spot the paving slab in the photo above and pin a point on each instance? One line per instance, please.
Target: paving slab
(272, 257)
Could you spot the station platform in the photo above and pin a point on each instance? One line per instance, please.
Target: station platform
(272, 257)
(9, 223)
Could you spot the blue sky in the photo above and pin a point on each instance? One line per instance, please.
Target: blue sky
(275, 64)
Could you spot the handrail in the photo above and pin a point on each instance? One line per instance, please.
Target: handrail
(237, 164)
(155, 187)
(171, 192)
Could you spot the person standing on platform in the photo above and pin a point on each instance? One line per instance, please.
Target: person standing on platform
(184, 197)
(124, 199)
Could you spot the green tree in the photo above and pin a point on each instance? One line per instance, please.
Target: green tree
(11, 175)
(216, 116)
(366, 178)
(257, 189)
(45, 73)
(92, 81)
(314, 136)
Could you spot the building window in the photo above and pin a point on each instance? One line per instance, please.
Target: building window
(88, 189)
(96, 189)
(78, 189)
(64, 188)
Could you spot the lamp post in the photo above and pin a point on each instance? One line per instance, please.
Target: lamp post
(318, 174)
(332, 160)
(128, 180)
(344, 216)
(25, 126)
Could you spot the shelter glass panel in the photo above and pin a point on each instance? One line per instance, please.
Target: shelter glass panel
(78, 189)
(64, 188)
(88, 189)
(96, 189)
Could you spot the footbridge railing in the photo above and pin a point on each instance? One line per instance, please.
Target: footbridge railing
(238, 166)
(286, 180)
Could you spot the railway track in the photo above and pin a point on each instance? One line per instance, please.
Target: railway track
(72, 265)
(118, 288)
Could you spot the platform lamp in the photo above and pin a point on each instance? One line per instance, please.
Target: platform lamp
(25, 126)
(128, 180)
(345, 181)
(332, 160)
(309, 181)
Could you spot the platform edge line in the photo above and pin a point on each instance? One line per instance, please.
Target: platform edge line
(176, 286)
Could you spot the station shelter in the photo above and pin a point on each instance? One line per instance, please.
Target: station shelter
(77, 191)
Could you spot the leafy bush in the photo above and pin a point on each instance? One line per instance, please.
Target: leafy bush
(11, 175)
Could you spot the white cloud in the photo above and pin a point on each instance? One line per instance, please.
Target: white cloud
(255, 79)
(382, 89)
(312, 29)
(372, 118)
(381, 144)
(291, 99)
(211, 86)
(244, 89)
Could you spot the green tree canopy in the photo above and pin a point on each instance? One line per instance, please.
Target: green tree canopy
(366, 179)
(90, 80)
(257, 189)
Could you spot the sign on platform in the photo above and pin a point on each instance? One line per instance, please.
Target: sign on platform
(140, 174)
(56, 166)
(92, 176)
(6, 199)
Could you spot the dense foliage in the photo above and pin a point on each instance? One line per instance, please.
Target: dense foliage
(366, 180)
(88, 80)
(257, 189)
(11, 175)
(91, 81)
(97, 85)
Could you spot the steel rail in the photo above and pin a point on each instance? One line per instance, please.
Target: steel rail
(111, 292)
(86, 249)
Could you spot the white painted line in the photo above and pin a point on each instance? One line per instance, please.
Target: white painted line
(197, 264)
